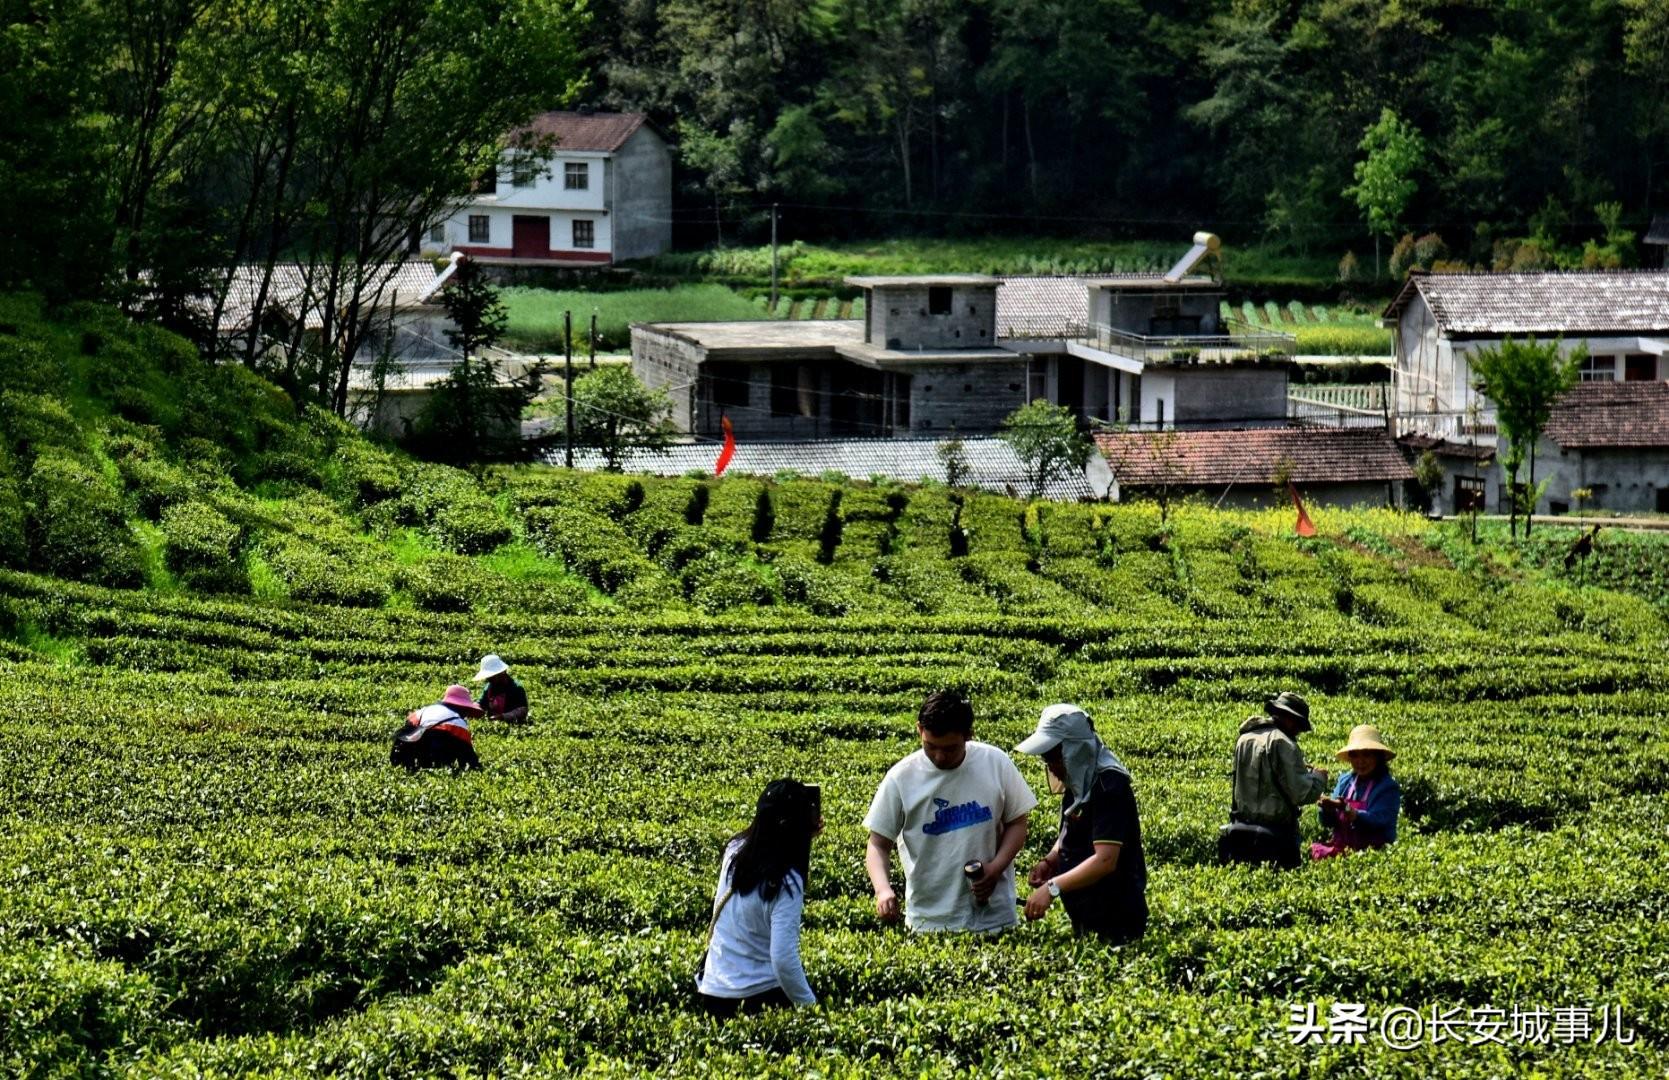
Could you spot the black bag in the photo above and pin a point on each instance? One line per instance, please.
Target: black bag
(427, 748)
(1243, 842)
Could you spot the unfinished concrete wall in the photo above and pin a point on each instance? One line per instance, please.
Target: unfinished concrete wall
(1622, 478)
(974, 398)
(640, 196)
(900, 317)
(1208, 396)
(662, 361)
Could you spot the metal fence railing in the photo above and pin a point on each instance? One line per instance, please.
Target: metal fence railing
(1189, 348)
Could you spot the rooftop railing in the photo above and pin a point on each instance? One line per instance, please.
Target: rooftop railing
(1256, 344)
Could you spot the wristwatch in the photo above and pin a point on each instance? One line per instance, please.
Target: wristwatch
(1054, 890)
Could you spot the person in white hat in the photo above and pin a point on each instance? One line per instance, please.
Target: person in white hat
(1096, 868)
(503, 697)
(1364, 806)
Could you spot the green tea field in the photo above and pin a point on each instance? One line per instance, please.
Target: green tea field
(212, 619)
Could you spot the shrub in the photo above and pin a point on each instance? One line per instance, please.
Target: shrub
(36, 422)
(448, 583)
(76, 524)
(363, 474)
(313, 574)
(14, 539)
(203, 548)
(446, 503)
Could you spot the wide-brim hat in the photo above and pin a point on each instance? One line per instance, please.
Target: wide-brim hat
(1057, 724)
(491, 665)
(1365, 737)
(1291, 705)
(457, 697)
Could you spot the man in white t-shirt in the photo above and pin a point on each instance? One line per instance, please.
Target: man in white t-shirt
(951, 803)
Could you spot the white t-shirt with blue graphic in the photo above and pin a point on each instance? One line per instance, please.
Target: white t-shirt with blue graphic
(942, 819)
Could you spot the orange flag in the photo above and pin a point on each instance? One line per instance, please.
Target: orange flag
(729, 450)
(1305, 526)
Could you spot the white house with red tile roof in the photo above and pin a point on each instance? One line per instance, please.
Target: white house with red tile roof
(604, 196)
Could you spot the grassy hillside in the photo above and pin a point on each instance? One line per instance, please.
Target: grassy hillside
(212, 870)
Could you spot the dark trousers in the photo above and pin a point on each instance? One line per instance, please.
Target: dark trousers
(1278, 847)
(725, 1008)
(1112, 928)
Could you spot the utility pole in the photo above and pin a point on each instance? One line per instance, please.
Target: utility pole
(568, 380)
(773, 258)
(592, 341)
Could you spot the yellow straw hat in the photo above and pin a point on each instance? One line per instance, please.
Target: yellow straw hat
(1365, 737)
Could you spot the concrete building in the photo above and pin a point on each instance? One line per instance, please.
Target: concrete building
(1439, 321)
(604, 196)
(1611, 440)
(963, 351)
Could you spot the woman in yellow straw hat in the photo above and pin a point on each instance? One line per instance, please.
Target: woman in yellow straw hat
(1364, 805)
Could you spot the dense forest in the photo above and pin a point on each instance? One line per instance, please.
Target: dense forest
(1515, 117)
(150, 141)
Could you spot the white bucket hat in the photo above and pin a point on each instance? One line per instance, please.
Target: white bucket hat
(491, 665)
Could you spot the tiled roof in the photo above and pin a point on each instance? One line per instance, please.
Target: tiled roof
(1041, 307)
(411, 283)
(1629, 302)
(1659, 231)
(606, 131)
(1251, 456)
(1417, 442)
(1597, 414)
(992, 464)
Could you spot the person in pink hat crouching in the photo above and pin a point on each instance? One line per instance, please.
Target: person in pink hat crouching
(438, 735)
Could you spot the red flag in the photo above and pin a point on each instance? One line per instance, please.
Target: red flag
(729, 450)
(1305, 527)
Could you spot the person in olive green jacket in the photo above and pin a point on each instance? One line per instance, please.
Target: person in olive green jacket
(1272, 782)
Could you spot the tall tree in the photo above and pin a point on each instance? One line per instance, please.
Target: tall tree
(1385, 178)
(1524, 379)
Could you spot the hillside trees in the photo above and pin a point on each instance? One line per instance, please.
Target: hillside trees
(319, 131)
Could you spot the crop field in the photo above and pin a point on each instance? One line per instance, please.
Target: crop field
(1337, 330)
(211, 870)
(535, 315)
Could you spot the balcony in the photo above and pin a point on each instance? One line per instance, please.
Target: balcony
(1236, 347)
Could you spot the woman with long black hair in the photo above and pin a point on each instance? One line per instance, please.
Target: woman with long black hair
(753, 948)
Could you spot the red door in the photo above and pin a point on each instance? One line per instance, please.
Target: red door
(530, 237)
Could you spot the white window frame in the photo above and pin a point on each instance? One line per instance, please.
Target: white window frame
(576, 176)
(1592, 371)
(590, 231)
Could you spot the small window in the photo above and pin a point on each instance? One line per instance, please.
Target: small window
(479, 233)
(727, 385)
(576, 176)
(1469, 494)
(437, 233)
(1639, 367)
(1663, 500)
(585, 234)
(523, 172)
(785, 390)
(1599, 369)
(938, 299)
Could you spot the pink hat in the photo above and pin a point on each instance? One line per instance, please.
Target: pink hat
(458, 698)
